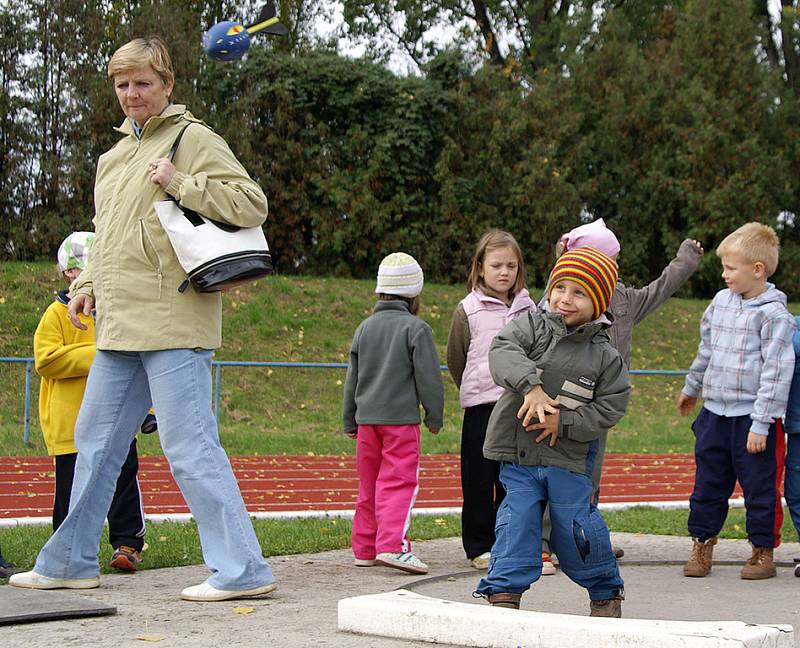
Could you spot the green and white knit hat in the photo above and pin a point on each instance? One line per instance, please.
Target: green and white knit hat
(399, 274)
(74, 251)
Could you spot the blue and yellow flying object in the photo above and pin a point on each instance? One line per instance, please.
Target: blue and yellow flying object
(229, 40)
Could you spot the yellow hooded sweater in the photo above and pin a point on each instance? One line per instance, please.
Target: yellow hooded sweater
(63, 355)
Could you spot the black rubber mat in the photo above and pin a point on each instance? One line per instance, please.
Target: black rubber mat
(19, 605)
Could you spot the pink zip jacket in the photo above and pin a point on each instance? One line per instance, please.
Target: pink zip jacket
(476, 321)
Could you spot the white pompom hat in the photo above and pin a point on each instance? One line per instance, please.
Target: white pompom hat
(400, 274)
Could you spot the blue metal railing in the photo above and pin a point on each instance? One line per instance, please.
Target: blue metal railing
(217, 365)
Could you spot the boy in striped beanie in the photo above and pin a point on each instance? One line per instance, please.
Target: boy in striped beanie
(565, 386)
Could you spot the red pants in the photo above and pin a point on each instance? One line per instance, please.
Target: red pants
(387, 460)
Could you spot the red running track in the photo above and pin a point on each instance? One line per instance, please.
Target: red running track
(316, 483)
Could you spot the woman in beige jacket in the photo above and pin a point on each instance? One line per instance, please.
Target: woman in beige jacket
(152, 340)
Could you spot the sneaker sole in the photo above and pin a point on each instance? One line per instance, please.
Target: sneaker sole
(124, 563)
(250, 593)
(401, 566)
(361, 562)
(81, 583)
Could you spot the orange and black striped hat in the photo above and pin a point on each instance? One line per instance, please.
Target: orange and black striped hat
(595, 271)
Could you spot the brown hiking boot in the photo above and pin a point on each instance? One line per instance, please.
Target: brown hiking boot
(611, 608)
(505, 600)
(760, 565)
(699, 564)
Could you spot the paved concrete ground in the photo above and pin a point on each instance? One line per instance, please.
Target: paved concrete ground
(302, 612)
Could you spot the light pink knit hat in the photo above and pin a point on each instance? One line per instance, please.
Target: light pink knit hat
(595, 235)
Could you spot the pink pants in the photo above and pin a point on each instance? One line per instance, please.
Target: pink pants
(387, 460)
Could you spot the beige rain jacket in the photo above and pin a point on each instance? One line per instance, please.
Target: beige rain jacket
(133, 272)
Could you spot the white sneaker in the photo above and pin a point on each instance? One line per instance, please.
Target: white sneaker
(206, 592)
(482, 561)
(548, 568)
(32, 580)
(406, 561)
(364, 562)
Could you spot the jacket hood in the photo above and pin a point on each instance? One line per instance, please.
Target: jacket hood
(770, 295)
(62, 296)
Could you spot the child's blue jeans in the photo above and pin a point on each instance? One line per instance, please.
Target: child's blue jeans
(579, 537)
(791, 484)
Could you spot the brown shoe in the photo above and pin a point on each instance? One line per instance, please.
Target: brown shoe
(699, 564)
(126, 559)
(760, 565)
(505, 600)
(611, 608)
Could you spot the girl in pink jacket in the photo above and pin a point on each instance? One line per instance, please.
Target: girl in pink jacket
(497, 295)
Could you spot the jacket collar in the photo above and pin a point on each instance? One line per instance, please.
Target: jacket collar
(521, 302)
(582, 332)
(393, 305)
(170, 112)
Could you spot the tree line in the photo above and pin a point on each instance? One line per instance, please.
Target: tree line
(667, 119)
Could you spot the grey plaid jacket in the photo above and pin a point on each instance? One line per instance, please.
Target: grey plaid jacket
(745, 361)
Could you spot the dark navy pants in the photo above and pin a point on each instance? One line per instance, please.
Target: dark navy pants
(721, 458)
(579, 535)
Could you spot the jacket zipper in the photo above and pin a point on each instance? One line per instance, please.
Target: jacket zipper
(144, 234)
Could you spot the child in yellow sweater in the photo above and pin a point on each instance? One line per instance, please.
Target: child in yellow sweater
(63, 356)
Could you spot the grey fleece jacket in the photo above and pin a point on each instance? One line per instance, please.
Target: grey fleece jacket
(580, 368)
(629, 306)
(393, 367)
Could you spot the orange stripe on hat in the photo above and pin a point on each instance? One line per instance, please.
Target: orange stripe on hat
(596, 272)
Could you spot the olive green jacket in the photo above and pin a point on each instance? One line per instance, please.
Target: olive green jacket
(132, 272)
(579, 368)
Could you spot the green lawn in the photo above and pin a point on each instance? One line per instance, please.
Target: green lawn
(268, 411)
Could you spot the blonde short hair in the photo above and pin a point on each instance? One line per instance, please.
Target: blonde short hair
(141, 52)
(753, 242)
(495, 240)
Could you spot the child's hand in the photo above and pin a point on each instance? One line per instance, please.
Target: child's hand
(536, 403)
(434, 430)
(353, 434)
(756, 443)
(686, 404)
(549, 427)
(79, 304)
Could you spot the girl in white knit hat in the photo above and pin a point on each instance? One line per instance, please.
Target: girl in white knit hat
(393, 367)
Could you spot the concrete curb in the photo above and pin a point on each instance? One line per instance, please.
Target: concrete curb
(406, 615)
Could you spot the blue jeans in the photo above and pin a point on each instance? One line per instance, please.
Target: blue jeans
(579, 535)
(791, 484)
(117, 398)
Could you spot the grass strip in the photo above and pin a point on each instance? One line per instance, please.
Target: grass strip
(172, 544)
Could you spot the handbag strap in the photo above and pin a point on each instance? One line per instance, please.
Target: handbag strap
(174, 148)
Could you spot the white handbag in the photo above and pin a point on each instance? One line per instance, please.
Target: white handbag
(216, 256)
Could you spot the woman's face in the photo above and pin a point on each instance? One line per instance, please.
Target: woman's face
(141, 93)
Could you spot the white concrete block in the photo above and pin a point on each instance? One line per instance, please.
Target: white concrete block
(406, 615)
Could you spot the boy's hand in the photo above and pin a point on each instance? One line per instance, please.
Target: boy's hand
(79, 304)
(686, 404)
(698, 246)
(536, 403)
(353, 434)
(549, 427)
(756, 443)
(434, 430)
